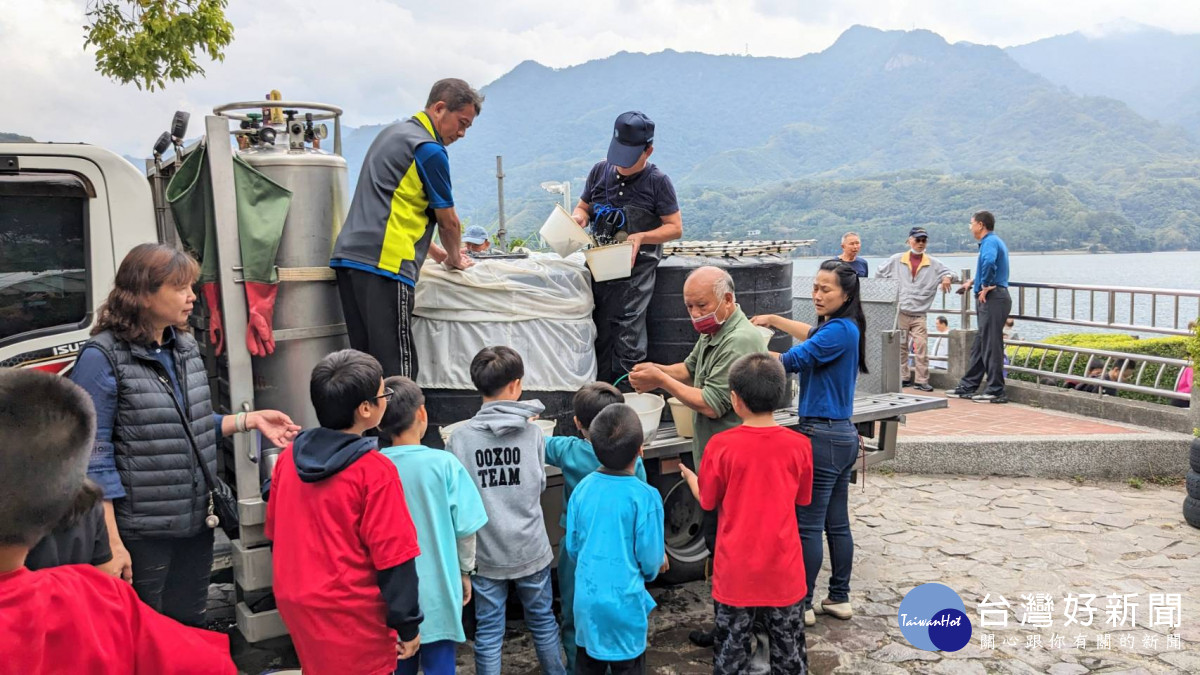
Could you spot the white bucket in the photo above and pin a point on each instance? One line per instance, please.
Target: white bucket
(562, 233)
(767, 334)
(684, 418)
(649, 411)
(614, 261)
(546, 425)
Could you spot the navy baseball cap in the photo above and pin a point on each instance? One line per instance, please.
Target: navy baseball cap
(632, 132)
(918, 232)
(475, 235)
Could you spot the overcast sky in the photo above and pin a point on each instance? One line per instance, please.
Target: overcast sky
(377, 58)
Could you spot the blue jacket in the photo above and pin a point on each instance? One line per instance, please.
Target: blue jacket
(991, 269)
(828, 365)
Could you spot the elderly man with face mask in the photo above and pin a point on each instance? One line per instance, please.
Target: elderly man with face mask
(701, 382)
(919, 276)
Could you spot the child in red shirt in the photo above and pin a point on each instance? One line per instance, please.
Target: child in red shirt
(75, 618)
(755, 476)
(345, 548)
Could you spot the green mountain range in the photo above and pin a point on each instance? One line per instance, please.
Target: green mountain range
(881, 131)
(1068, 140)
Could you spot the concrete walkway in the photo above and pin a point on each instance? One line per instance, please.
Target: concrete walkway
(1000, 536)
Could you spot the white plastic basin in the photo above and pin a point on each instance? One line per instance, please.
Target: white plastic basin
(562, 233)
(649, 411)
(546, 425)
(767, 334)
(614, 261)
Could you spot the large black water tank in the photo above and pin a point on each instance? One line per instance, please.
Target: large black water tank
(447, 406)
(762, 284)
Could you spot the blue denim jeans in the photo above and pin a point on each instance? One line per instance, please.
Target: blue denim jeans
(537, 597)
(835, 448)
(435, 658)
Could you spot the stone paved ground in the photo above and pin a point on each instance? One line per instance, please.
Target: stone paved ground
(998, 536)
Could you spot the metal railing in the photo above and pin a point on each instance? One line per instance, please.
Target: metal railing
(1105, 307)
(1122, 309)
(1162, 383)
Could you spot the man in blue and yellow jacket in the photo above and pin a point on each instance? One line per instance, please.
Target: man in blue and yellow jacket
(403, 191)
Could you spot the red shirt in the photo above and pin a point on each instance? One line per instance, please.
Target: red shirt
(77, 619)
(331, 538)
(755, 477)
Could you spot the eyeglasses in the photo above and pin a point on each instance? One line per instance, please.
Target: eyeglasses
(386, 395)
(921, 240)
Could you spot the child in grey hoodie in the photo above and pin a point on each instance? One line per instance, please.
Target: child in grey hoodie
(505, 453)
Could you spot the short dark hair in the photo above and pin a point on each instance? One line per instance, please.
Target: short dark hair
(407, 398)
(493, 368)
(456, 94)
(592, 398)
(616, 436)
(47, 429)
(986, 219)
(339, 383)
(942, 319)
(759, 380)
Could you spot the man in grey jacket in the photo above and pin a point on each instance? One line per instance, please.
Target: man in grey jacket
(919, 276)
(505, 453)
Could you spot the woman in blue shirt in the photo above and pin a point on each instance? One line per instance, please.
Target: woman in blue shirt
(828, 358)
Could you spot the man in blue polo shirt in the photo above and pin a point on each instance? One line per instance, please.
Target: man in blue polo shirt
(403, 191)
(626, 198)
(990, 288)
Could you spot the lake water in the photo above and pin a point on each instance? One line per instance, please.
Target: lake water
(1173, 270)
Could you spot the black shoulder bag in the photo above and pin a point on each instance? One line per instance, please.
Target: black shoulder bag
(222, 504)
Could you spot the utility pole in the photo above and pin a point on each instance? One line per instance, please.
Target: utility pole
(501, 234)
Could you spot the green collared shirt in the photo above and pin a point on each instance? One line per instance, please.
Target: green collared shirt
(708, 364)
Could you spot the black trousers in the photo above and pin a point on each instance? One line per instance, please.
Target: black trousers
(171, 575)
(987, 352)
(378, 313)
(620, 317)
(586, 665)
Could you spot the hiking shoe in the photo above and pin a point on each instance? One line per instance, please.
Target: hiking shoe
(810, 617)
(959, 393)
(922, 386)
(990, 398)
(702, 638)
(839, 610)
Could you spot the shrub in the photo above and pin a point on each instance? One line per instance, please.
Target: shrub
(1061, 362)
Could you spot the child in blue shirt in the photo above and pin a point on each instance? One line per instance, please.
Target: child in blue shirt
(615, 535)
(576, 459)
(447, 511)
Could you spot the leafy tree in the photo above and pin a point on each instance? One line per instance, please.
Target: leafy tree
(150, 42)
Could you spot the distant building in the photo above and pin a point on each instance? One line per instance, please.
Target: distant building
(754, 233)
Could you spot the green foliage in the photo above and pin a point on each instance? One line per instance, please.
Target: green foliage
(150, 42)
(1136, 483)
(1061, 362)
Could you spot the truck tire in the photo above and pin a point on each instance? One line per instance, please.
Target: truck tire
(686, 550)
(1193, 485)
(1191, 511)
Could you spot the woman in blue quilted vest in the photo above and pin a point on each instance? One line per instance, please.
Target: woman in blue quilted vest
(154, 424)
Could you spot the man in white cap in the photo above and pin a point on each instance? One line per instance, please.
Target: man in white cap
(626, 198)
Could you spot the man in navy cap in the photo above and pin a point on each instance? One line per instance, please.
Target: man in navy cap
(919, 276)
(626, 198)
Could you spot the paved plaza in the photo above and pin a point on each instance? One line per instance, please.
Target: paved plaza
(998, 537)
